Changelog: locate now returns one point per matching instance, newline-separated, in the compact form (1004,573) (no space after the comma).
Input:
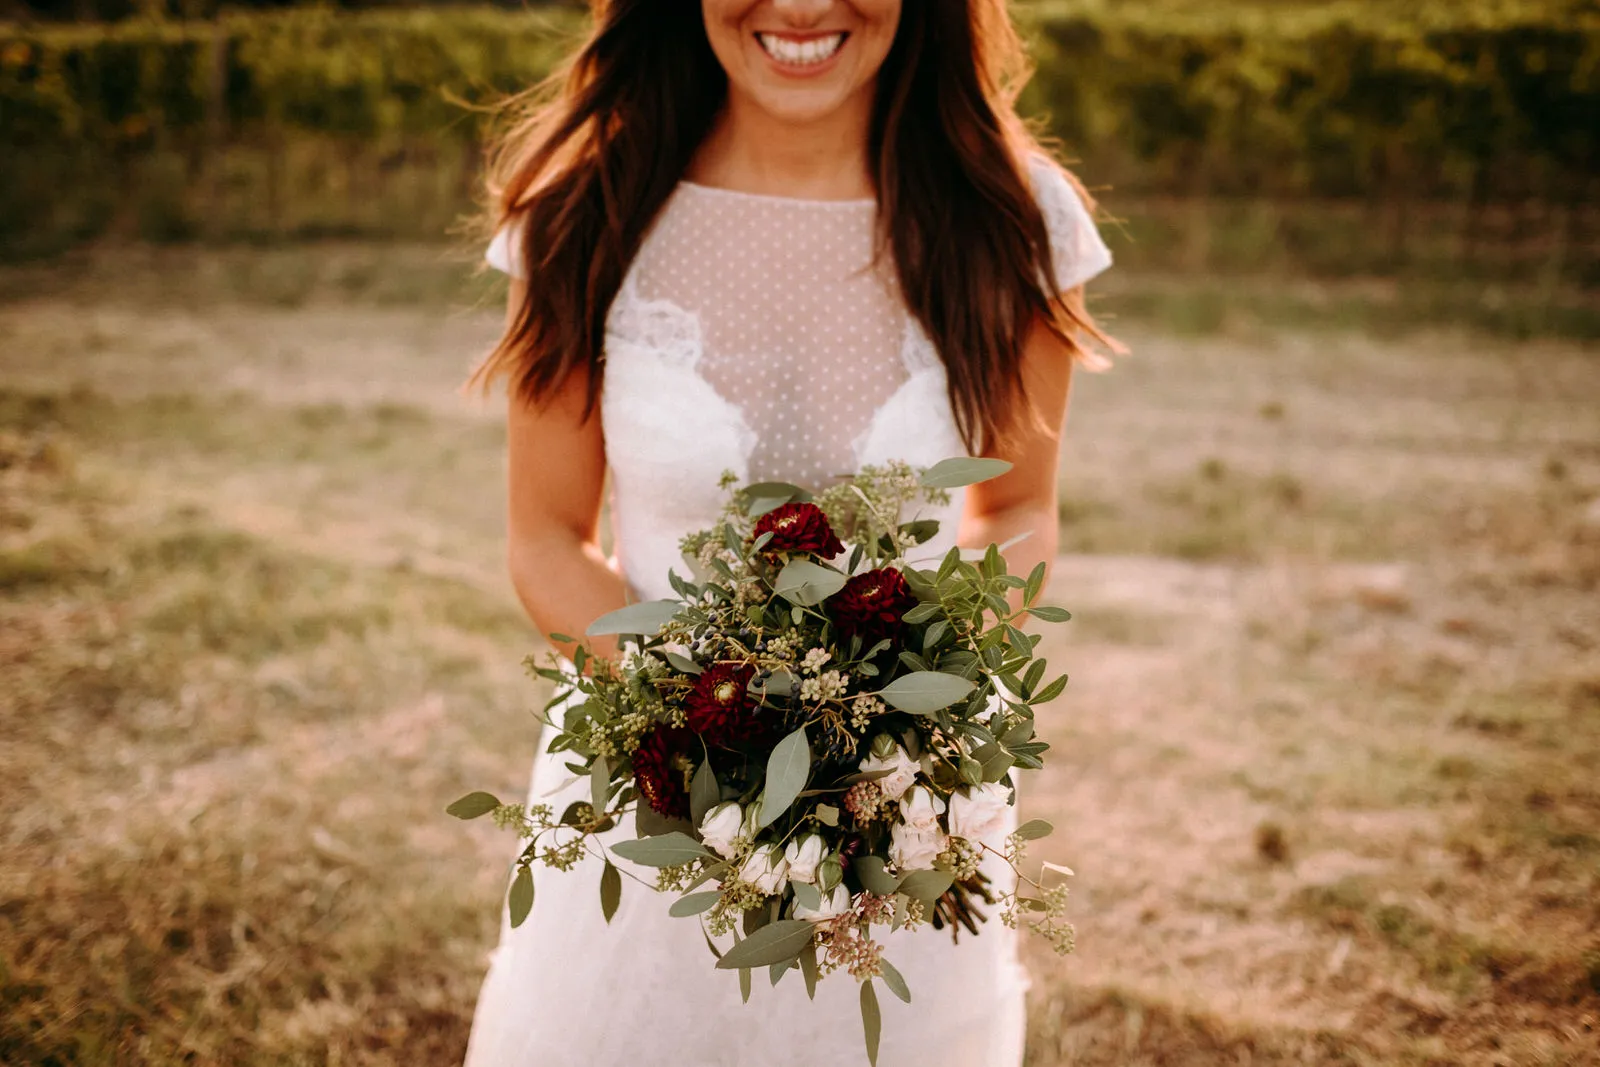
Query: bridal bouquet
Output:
(815,737)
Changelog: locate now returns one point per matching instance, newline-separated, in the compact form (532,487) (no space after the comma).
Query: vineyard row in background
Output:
(1436,132)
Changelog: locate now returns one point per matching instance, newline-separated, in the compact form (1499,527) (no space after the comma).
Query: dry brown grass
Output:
(1326,770)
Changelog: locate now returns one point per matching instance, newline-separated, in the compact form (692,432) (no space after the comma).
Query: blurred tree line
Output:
(113,10)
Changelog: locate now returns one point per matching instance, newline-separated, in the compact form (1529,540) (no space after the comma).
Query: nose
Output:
(802,13)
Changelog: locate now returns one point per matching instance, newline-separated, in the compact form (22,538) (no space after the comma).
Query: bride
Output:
(785,238)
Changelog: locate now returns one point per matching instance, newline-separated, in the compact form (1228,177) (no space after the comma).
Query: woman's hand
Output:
(556,465)
(1023,501)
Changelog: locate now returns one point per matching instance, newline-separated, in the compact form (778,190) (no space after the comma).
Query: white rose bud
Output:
(834,904)
(830,872)
(979,813)
(901,767)
(804,854)
(921,808)
(766,869)
(914,848)
(721,828)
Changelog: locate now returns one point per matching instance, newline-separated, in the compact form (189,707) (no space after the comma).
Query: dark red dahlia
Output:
(719,707)
(798,528)
(659,767)
(870,605)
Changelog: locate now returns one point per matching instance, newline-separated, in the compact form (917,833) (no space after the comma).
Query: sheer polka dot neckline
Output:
(697,188)
(800,330)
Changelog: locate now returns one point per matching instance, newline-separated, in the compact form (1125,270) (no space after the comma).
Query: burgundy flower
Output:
(658,768)
(798,528)
(870,605)
(719,707)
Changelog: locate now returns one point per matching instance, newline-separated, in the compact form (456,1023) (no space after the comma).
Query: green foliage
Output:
(1330,98)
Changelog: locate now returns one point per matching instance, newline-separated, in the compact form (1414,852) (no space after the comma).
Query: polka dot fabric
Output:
(802,332)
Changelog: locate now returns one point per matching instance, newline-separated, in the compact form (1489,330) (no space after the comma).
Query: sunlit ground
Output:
(1325,768)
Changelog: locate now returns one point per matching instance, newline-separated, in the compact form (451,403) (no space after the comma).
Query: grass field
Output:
(1326,769)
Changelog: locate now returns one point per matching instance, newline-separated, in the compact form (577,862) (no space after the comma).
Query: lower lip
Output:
(803,70)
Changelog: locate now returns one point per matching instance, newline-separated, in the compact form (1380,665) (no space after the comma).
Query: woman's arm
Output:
(1024,499)
(556,464)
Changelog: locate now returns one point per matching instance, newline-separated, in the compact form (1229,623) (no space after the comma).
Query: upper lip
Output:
(802,35)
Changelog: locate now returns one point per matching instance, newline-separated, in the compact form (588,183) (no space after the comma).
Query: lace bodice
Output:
(757,334)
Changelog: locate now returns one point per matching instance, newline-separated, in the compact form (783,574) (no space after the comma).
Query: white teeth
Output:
(800,53)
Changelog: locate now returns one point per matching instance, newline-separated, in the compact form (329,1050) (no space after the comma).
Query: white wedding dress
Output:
(752,334)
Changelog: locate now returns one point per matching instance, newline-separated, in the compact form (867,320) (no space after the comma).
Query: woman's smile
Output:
(801,54)
(801,61)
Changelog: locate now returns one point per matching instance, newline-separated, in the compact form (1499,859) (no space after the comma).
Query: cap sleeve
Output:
(1076,248)
(504,253)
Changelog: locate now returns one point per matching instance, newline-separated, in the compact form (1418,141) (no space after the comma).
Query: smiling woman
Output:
(790,239)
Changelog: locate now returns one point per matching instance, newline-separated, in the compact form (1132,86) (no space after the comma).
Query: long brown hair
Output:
(592,156)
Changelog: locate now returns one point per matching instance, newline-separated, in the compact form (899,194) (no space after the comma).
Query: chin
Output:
(801,70)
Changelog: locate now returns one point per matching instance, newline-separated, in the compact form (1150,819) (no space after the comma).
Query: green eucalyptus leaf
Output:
(926,886)
(648,822)
(781,684)
(827,814)
(645,619)
(971,771)
(778,970)
(895,981)
(785,490)
(473,805)
(1034,829)
(1031,680)
(962,470)
(599,783)
(759,506)
(744,983)
(787,769)
(995,760)
(704,792)
(666,850)
(694,904)
(914,661)
(805,584)
(808,969)
(922,613)
(806,895)
(1049,692)
(920,531)
(1035,584)
(1018,640)
(871,1021)
(610,890)
(1018,734)
(521,897)
(873,877)
(925,692)
(1045,613)
(683,663)
(777,942)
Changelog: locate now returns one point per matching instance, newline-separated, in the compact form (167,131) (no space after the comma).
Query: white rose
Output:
(803,856)
(834,904)
(902,772)
(914,848)
(766,869)
(720,828)
(979,814)
(921,808)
